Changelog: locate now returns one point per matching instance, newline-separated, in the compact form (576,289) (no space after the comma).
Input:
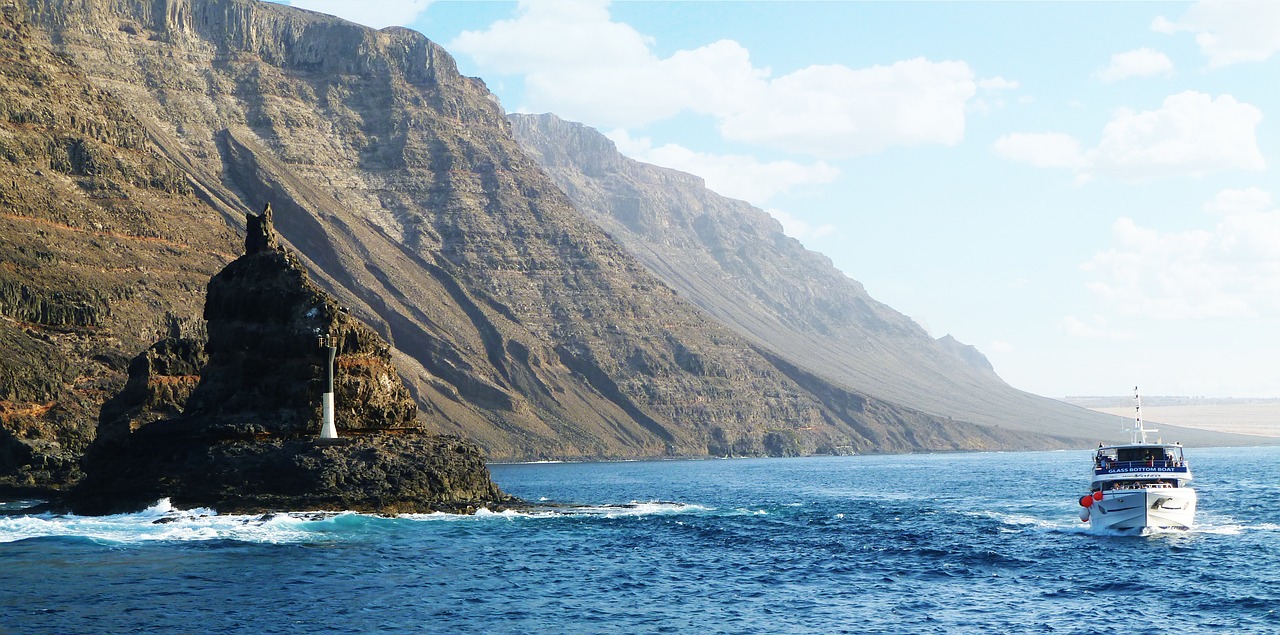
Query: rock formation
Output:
(244,437)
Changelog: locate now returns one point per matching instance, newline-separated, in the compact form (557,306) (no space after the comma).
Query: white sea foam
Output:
(1015,521)
(636,508)
(161,522)
(633,508)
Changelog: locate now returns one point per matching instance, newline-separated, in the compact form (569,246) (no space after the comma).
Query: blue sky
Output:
(1086,191)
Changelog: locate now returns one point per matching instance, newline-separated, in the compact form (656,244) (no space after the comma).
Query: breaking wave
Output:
(163,522)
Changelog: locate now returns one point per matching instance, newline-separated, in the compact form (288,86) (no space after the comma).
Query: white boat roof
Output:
(1140,445)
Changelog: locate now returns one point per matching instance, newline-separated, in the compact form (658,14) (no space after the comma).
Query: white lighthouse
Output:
(328,429)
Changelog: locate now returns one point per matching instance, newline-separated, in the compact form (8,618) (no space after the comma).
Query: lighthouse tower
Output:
(328,429)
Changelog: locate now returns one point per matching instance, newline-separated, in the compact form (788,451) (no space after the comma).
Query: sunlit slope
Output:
(733,261)
(516,321)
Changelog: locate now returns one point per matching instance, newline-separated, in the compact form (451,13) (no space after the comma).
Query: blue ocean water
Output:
(948,543)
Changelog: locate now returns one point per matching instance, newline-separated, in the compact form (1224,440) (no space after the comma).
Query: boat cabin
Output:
(1139,465)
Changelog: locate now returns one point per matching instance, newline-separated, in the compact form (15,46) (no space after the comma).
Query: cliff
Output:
(141,131)
(103,250)
(734,262)
(244,437)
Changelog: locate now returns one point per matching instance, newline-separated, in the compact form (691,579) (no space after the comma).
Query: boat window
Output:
(1132,454)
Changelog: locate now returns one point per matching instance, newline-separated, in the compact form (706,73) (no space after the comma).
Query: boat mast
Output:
(1138,434)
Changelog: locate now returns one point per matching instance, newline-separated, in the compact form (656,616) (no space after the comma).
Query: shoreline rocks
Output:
(238,433)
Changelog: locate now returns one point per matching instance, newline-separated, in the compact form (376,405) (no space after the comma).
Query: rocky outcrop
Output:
(264,318)
(161,380)
(244,439)
(390,475)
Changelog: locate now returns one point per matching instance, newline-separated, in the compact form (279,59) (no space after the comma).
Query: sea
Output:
(925,543)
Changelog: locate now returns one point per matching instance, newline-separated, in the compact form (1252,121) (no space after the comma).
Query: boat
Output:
(1139,485)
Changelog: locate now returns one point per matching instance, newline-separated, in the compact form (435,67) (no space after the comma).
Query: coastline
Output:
(1256,417)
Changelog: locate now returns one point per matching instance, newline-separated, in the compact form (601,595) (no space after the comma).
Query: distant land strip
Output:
(1236,415)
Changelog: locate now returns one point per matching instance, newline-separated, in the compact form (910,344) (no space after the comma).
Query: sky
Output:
(1086,191)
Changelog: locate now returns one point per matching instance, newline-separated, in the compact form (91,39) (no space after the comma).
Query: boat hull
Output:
(1151,508)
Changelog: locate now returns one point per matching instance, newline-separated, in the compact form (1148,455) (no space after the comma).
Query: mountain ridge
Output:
(724,254)
(515,321)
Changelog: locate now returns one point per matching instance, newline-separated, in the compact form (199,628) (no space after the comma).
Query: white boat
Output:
(1139,485)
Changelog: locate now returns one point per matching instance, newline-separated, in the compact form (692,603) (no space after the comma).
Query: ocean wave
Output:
(164,523)
(159,523)
(1014,522)
(546,509)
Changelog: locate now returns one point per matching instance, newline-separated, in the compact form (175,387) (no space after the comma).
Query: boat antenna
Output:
(1138,434)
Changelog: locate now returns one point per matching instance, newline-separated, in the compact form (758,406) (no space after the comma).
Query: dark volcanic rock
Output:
(160,382)
(383,474)
(264,319)
(244,438)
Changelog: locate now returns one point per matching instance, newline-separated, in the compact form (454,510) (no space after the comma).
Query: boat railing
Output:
(1151,465)
(1155,485)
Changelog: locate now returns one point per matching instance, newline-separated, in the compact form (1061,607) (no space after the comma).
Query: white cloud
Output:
(997,83)
(1042,150)
(1239,202)
(990,100)
(799,228)
(1000,346)
(1231,271)
(1096,327)
(836,111)
(1143,62)
(1230,31)
(1191,134)
(736,176)
(377,14)
(580,64)
(555,34)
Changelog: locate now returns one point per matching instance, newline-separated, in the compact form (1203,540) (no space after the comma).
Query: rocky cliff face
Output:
(244,437)
(733,261)
(514,320)
(103,250)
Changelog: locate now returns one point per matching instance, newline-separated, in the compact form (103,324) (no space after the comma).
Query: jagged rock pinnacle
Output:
(242,439)
(260,234)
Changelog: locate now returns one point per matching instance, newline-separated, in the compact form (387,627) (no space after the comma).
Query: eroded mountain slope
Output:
(516,321)
(733,261)
(103,249)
